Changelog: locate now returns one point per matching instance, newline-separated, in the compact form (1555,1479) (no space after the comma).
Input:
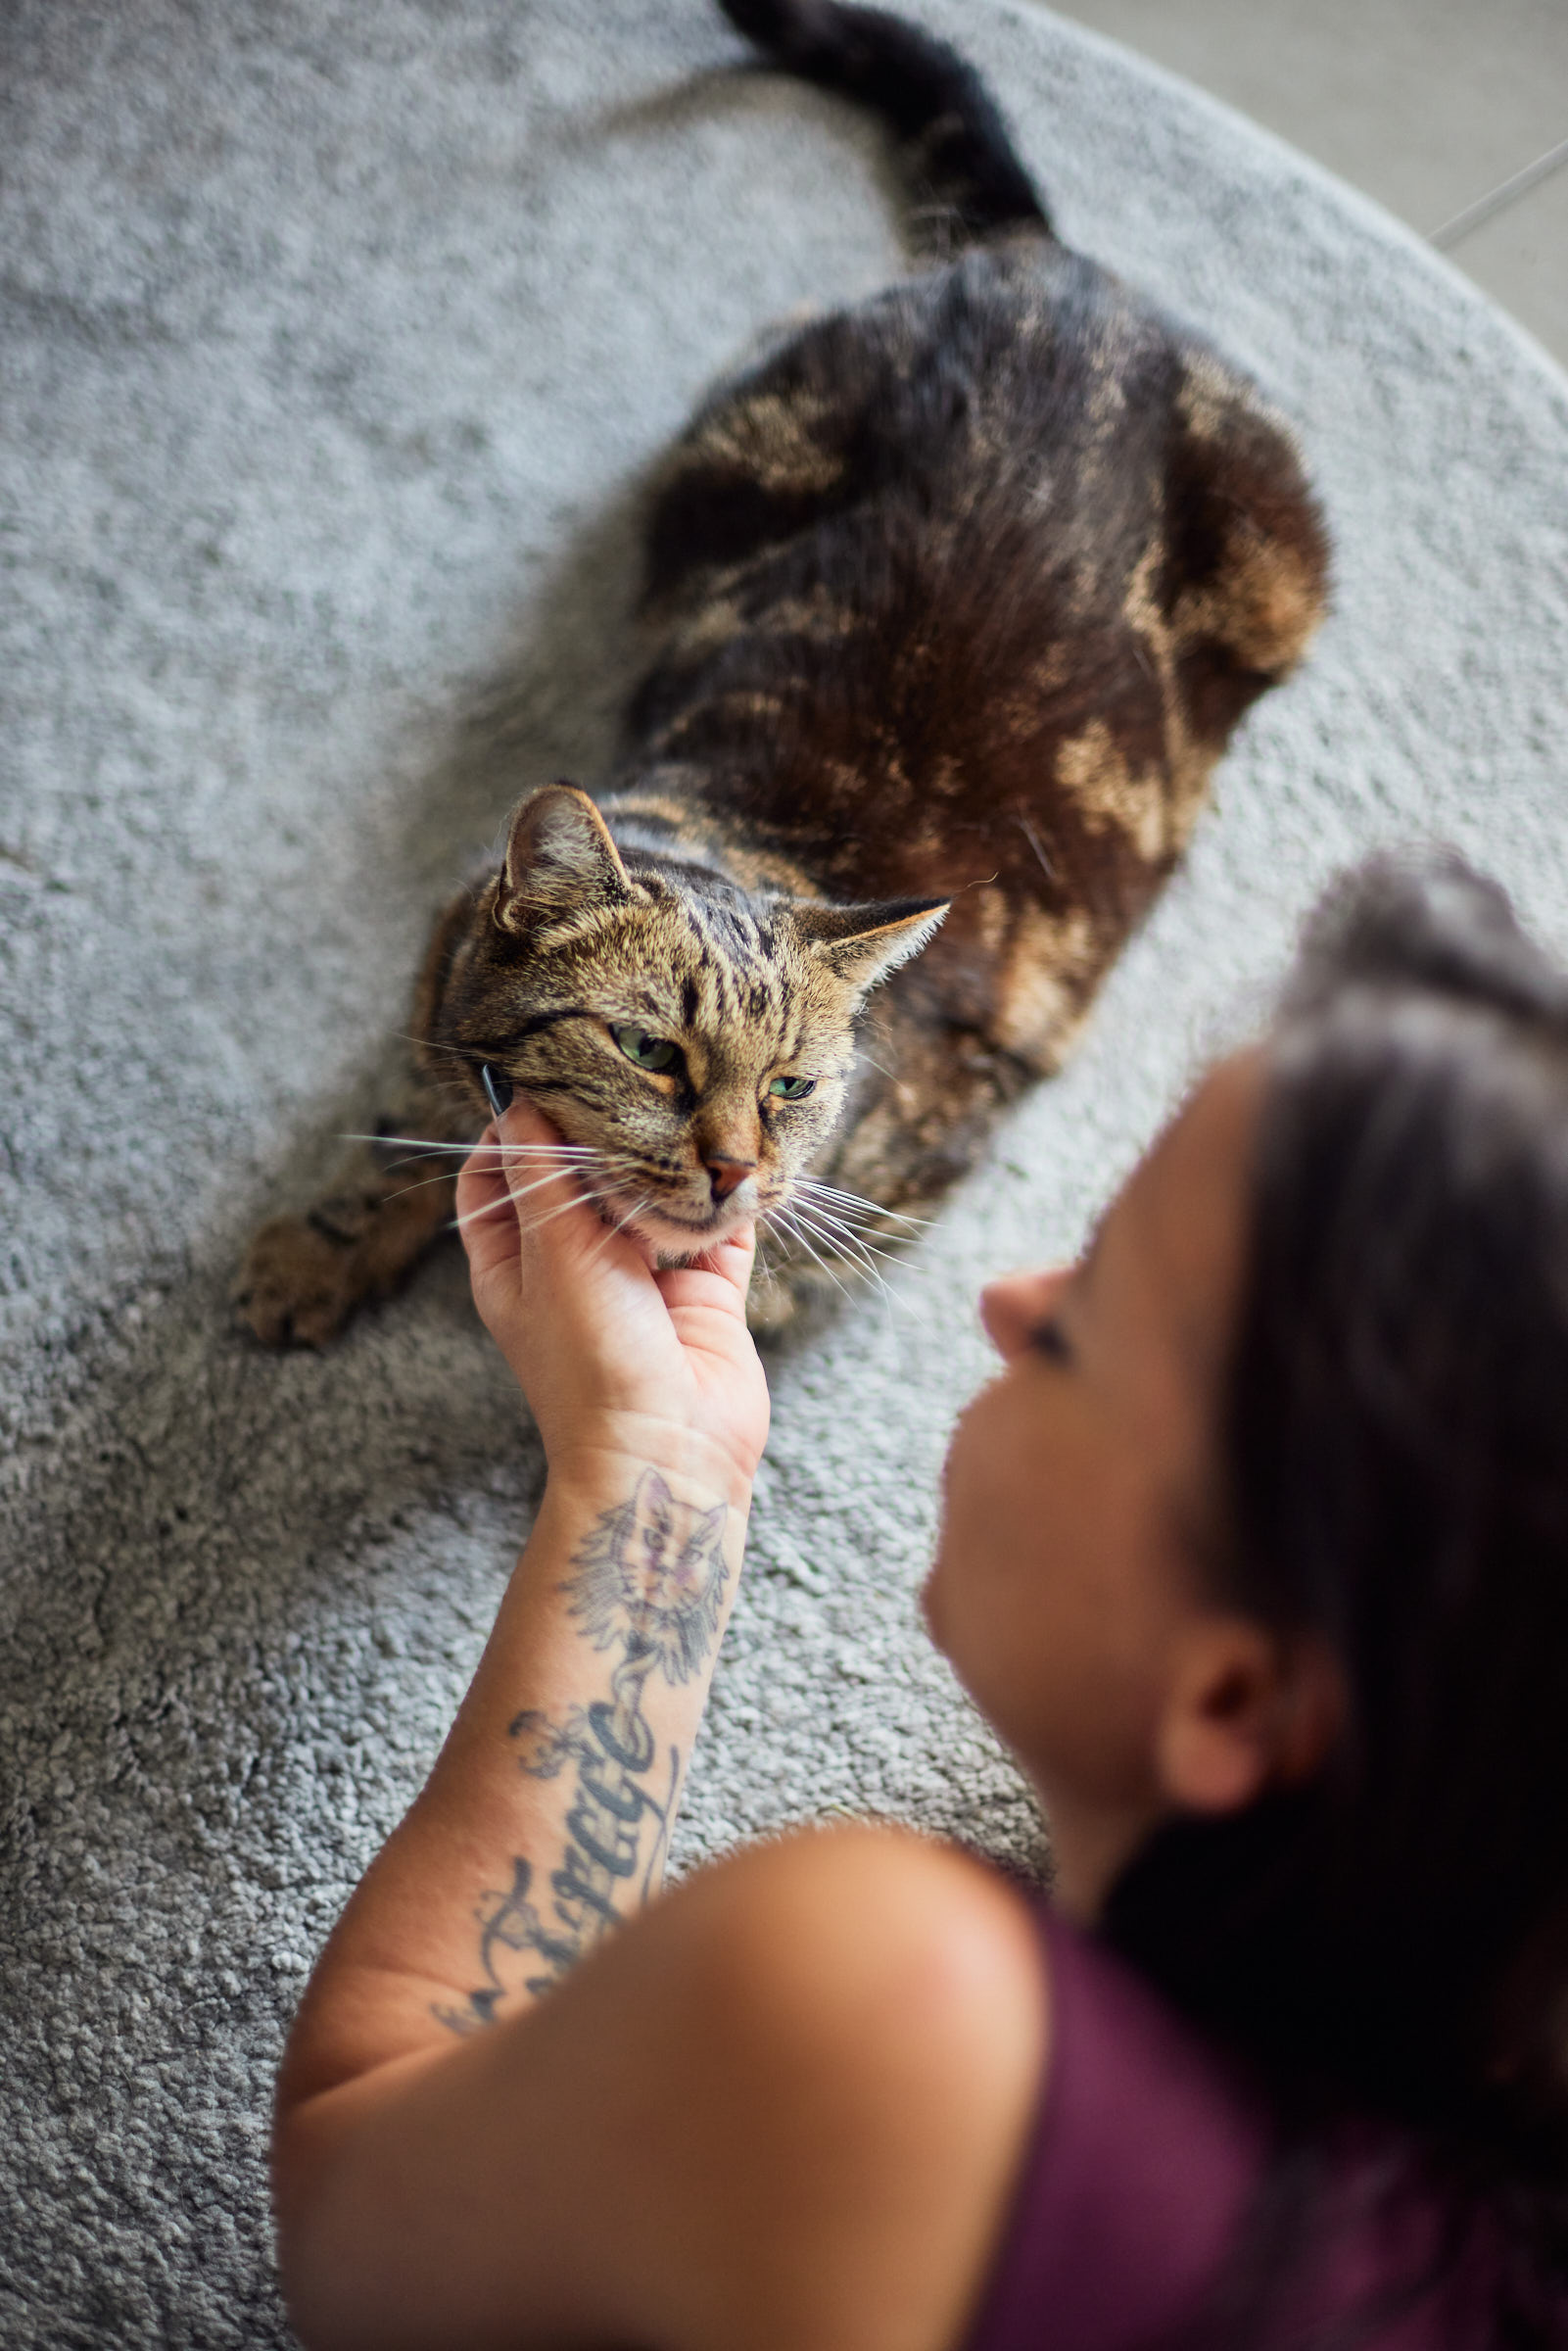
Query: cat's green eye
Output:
(792,1089)
(646,1051)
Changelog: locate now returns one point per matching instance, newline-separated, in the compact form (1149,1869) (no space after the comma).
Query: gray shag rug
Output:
(334,337)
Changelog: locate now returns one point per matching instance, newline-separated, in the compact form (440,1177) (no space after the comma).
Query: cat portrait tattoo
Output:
(950,604)
(646,1588)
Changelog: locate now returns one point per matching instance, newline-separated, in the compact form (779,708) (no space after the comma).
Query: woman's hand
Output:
(612,1355)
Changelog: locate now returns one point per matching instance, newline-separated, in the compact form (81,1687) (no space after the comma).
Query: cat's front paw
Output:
(301,1279)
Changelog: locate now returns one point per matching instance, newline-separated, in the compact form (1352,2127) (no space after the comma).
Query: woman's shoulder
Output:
(872,1929)
(884,2017)
(895,1955)
(869,1931)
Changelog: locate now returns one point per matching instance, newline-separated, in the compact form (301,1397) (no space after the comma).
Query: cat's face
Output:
(696,1040)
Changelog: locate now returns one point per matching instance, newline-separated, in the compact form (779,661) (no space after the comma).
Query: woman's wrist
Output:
(603,1462)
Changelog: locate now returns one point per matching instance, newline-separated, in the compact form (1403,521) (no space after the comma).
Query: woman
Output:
(1256,1555)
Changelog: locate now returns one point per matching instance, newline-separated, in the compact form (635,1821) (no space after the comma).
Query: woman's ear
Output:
(1245,1709)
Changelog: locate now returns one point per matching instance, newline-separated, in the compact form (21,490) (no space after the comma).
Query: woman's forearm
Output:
(546,1818)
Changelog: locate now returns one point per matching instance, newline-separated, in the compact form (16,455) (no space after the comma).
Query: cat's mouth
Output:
(687,1236)
(676,1236)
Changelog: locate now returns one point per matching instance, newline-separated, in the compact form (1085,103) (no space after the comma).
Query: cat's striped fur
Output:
(954,601)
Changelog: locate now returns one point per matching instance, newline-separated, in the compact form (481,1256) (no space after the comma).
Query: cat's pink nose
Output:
(727,1174)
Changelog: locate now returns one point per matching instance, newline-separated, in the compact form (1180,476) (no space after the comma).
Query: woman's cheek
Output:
(930,1605)
(961,1535)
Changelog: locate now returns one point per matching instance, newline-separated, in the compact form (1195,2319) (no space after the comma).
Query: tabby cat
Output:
(952,603)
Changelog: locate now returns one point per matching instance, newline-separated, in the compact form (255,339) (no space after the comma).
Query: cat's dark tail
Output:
(967,182)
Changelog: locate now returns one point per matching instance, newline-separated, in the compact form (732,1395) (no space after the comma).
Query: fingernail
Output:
(499,1088)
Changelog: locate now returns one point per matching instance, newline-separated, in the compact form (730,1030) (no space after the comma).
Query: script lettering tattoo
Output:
(648,1586)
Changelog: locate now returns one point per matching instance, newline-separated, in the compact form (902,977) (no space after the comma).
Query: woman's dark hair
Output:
(1392,1938)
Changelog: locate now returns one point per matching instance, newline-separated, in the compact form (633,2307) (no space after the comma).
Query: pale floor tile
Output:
(1423,104)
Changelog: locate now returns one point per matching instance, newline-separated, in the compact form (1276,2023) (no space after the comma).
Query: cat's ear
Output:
(862,945)
(560,856)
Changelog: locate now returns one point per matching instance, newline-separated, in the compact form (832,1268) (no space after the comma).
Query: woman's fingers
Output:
(721,1277)
(565,1222)
(735,1256)
(549,1275)
(546,1187)
(487,1217)
(516,1181)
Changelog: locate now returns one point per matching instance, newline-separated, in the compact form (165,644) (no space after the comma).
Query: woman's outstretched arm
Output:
(545,1822)
(637,2157)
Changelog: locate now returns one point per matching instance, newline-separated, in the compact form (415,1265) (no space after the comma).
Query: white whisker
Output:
(869,1208)
(845,1235)
(510,1199)
(805,1235)
(578,1199)
(450,1175)
(420,1183)
(862,1260)
(424,1143)
(477,1215)
(613,1232)
(863,1263)
(835,1192)
(881,1245)
(783,1217)
(494,1208)
(827,1210)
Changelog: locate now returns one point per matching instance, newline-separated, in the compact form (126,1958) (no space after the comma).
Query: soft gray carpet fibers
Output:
(333,337)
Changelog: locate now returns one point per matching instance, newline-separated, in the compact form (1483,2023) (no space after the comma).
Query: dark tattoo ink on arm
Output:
(647,1586)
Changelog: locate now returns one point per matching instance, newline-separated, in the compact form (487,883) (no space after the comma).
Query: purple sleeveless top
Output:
(1143,2159)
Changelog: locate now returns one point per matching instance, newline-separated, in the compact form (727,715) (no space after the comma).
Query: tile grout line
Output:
(1496,200)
